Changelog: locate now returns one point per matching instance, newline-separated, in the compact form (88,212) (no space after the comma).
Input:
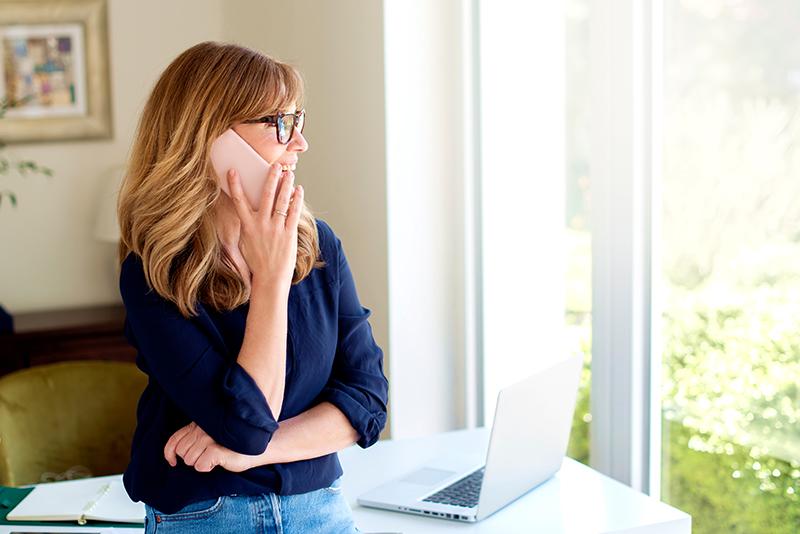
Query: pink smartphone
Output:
(229,150)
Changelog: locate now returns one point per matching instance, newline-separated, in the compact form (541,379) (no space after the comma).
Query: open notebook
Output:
(98,499)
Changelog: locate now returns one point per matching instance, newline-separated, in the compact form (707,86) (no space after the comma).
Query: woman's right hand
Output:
(267,239)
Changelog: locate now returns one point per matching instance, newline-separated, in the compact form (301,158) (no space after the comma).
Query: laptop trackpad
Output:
(427,476)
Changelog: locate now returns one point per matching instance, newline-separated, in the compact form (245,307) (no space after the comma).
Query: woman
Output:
(261,361)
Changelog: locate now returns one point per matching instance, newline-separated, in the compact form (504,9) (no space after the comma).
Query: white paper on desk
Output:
(71,499)
(116,506)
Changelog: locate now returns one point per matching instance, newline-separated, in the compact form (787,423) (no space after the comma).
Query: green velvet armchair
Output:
(56,417)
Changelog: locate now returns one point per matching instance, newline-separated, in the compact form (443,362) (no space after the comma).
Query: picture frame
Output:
(54,70)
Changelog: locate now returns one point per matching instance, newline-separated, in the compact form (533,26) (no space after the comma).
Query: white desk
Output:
(577,500)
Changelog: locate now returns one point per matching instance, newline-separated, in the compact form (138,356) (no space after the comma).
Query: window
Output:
(730,264)
(578,237)
(682,190)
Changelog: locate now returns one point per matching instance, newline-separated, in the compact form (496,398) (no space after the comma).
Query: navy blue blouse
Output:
(193,376)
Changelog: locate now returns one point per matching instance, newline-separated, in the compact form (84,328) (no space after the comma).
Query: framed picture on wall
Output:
(54,70)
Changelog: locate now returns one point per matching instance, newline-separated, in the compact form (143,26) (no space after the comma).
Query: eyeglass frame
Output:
(274,119)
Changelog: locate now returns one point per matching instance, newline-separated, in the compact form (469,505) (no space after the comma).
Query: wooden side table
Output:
(85,333)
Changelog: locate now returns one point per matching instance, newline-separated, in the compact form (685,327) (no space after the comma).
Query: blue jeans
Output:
(324,511)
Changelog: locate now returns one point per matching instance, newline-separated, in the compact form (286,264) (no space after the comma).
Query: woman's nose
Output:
(298,142)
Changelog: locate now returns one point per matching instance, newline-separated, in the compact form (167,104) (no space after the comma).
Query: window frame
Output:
(625,51)
(625,120)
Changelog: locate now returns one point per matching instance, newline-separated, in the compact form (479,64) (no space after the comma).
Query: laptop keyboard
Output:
(463,492)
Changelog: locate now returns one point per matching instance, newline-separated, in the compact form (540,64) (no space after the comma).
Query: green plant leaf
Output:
(11,197)
(24,166)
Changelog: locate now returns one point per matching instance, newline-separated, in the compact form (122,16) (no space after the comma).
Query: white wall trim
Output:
(522,63)
(425,185)
(473,415)
(622,214)
(656,56)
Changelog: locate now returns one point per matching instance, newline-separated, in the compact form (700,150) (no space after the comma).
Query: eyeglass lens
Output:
(285,125)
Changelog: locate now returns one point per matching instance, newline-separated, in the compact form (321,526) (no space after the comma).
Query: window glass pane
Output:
(731,264)
(578,313)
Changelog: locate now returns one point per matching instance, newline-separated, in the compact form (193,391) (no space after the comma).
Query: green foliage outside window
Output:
(731,397)
(730,394)
(730,253)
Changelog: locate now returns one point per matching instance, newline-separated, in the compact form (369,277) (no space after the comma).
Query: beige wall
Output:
(338,47)
(427,174)
(48,256)
(376,69)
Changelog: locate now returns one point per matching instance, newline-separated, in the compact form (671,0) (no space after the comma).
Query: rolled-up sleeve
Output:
(217,394)
(357,385)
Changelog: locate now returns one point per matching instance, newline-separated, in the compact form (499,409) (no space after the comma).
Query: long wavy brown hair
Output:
(166,203)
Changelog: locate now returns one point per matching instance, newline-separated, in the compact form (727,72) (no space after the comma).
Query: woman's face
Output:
(263,137)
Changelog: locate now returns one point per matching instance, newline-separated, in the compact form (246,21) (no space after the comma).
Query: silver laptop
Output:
(529,438)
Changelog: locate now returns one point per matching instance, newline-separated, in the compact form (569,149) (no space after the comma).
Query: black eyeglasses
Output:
(286,124)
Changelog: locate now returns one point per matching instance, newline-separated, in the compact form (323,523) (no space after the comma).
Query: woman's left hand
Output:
(199,450)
